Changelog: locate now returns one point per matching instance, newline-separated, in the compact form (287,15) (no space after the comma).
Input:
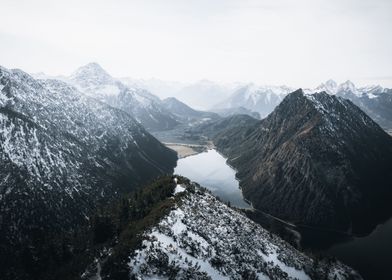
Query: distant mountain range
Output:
(255,100)
(317,159)
(225,99)
(136,97)
(62,153)
(201,95)
(262,100)
(374,100)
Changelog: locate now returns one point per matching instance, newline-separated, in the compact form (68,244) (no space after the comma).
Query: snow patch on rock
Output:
(179,189)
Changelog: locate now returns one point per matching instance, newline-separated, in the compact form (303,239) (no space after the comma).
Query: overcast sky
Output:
(298,43)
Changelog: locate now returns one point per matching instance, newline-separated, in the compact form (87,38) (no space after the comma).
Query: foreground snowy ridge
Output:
(205,239)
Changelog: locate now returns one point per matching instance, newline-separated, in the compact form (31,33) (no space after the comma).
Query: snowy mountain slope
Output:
(61,152)
(145,107)
(202,238)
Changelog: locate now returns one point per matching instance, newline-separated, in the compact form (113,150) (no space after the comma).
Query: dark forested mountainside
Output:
(61,154)
(316,160)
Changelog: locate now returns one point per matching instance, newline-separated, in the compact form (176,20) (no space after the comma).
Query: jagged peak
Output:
(93,70)
(297,93)
(319,100)
(171,99)
(92,65)
(347,84)
(331,82)
(330,86)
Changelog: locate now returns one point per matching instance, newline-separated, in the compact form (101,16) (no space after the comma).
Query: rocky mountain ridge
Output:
(316,159)
(202,238)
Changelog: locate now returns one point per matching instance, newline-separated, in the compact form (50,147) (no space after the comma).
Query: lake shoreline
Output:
(184,150)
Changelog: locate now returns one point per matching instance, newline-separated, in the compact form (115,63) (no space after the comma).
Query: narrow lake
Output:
(210,170)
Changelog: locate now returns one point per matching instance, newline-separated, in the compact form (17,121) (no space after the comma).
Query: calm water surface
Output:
(370,255)
(211,171)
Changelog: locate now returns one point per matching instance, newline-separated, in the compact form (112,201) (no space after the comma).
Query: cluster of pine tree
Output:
(117,225)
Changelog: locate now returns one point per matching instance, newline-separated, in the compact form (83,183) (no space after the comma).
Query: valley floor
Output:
(184,150)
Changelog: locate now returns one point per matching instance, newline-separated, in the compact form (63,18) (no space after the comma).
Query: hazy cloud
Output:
(299,43)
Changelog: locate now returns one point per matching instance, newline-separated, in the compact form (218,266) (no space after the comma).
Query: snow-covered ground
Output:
(205,239)
(179,189)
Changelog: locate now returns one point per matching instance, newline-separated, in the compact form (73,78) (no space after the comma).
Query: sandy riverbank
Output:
(186,150)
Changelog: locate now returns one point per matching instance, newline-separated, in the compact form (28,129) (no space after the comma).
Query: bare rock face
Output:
(317,159)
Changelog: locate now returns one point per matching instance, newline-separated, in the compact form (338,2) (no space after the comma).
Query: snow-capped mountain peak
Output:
(329,86)
(331,83)
(93,80)
(93,71)
(372,91)
(348,86)
(145,107)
